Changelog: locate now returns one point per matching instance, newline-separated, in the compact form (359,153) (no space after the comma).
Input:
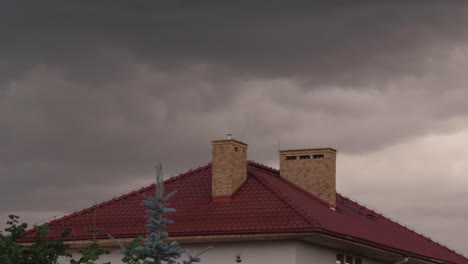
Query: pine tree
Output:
(155,249)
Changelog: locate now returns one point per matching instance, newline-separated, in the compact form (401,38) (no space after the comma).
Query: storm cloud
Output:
(93,94)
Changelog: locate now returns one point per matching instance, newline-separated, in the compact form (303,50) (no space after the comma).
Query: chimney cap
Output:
(308,149)
(232,140)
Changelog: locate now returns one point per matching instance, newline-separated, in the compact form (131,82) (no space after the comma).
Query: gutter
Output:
(194,239)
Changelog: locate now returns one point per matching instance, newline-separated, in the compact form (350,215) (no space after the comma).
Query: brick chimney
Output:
(314,170)
(229,167)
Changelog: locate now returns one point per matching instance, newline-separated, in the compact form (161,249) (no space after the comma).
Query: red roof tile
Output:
(264,204)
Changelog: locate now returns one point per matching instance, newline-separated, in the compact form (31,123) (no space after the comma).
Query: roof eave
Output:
(366,243)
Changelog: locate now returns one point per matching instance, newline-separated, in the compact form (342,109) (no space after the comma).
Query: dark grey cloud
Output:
(92,94)
(333,43)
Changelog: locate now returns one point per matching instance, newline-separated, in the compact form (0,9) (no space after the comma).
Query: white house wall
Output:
(307,253)
(258,252)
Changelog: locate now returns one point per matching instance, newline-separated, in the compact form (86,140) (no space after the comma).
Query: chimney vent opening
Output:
(291,157)
(318,156)
(303,157)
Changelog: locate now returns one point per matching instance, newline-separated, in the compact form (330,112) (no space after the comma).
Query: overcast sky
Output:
(94,93)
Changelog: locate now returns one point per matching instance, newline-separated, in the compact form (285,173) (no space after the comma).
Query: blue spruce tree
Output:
(156,250)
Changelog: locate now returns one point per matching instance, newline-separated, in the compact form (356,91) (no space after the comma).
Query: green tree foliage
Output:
(155,250)
(42,251)
(90,254)
(10,251)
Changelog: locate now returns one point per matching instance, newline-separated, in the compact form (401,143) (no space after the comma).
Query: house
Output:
(254,214)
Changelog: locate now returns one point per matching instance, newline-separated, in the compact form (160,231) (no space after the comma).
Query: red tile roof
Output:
(264,204)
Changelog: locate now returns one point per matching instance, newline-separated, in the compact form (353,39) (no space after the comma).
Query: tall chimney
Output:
(229,166)
(314,170)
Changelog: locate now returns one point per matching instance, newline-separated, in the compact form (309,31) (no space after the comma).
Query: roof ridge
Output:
(305,192)
(404,227)
(283,197)
(262,166)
